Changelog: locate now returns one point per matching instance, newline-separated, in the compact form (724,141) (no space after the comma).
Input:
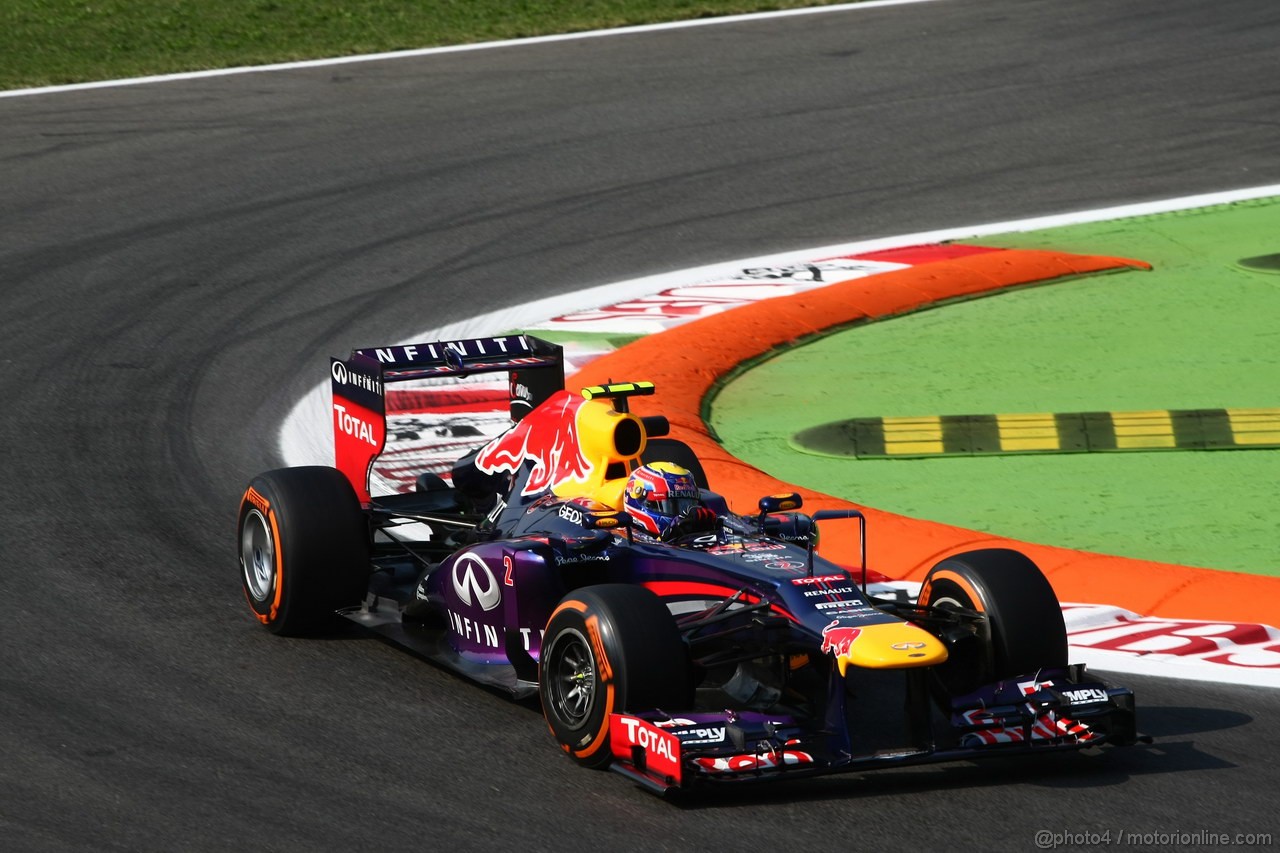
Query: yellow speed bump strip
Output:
(912,436)
(1073,432)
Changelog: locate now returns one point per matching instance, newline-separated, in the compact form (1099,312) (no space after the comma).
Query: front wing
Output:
(1054,711)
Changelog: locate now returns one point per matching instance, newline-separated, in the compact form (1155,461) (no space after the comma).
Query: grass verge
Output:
(51,42)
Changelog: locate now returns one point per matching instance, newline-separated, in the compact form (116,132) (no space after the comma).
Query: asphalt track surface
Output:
(178,259)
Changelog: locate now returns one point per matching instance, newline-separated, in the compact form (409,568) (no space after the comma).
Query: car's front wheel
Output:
(1012,607)
(608,649)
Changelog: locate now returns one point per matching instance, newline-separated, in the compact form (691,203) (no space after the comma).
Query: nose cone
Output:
(893,645)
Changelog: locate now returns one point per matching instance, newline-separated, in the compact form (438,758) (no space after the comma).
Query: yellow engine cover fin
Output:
(618,390)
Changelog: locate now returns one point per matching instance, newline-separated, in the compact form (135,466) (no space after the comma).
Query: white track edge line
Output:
(458,48)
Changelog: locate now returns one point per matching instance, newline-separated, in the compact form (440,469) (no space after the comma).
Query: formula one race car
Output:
(582,556)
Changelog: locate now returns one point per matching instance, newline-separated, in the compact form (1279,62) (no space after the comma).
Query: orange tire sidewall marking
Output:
(601,738)
(604,679)
(926,593)
(275,534)
(571,604)
(254,498)
(605,672)
(603,668)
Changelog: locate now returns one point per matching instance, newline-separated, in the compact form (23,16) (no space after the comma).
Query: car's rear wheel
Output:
(608,649)
(1015,613)
(304,548)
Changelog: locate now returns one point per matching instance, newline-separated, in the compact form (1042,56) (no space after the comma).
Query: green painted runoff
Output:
(1197,332)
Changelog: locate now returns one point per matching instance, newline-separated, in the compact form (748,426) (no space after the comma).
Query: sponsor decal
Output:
(667,305)
(1085,695)
(745,547)
(838,590)
(697,737)
(816,272)
(648,738)
(838,639)
(474,584)
(354,378)
(675,305)
(603,668)
(902,647)
(526,634)
(570,514)
(548,437)
(846,608)
(785,566)
(351,425)
(820,579)
(562,560)
(661,748)
(1232,644)
(451,351)
(645,484)
(257,500)
(475,631)
(521,394)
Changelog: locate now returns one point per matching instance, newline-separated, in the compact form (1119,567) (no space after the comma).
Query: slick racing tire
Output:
(1020,622)
(608,649)
(304,548)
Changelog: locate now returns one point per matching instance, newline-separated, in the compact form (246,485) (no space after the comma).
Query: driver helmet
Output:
(658,494)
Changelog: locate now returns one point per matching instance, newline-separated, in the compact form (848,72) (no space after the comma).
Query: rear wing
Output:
(535,371)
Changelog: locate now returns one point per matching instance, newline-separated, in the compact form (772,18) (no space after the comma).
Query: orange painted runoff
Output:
(685,362)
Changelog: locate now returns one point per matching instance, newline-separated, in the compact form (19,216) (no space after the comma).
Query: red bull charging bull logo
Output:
(548,436)
(837,639)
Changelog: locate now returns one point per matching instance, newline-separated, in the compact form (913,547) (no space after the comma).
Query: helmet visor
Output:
(672,505)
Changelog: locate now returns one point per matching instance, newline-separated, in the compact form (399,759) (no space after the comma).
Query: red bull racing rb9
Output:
(582,556)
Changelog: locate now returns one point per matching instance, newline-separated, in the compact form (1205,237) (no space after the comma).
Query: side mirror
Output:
(608,522)
(825,514)
(780,503)
(605,521)
(782,527)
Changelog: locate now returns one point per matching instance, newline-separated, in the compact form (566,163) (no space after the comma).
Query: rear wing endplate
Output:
(535,371)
